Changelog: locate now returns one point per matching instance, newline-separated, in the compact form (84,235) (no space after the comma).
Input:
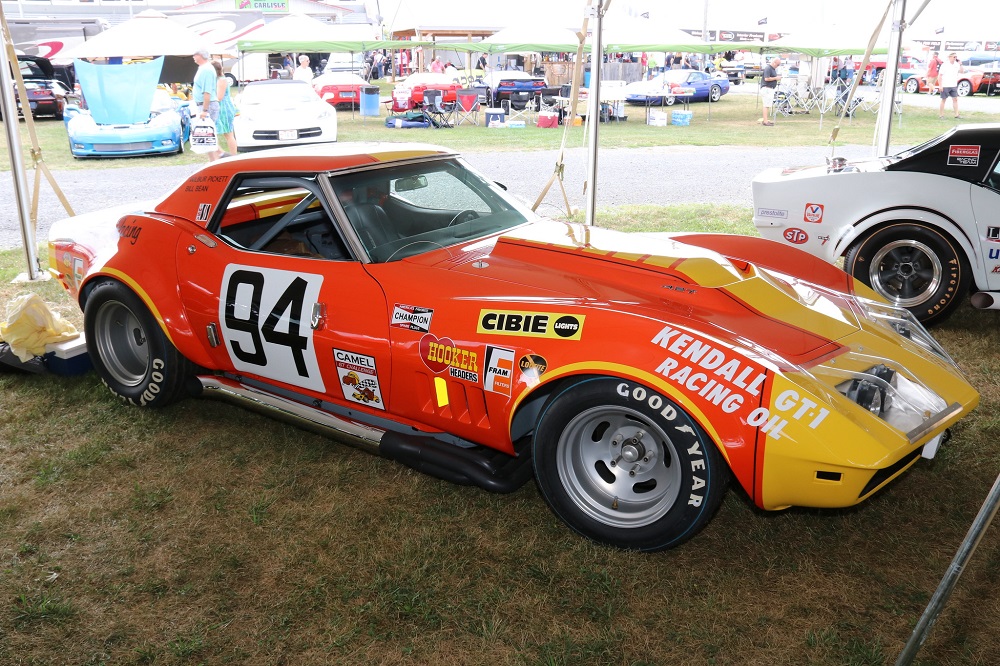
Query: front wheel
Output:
(130,351)
(914,266)
(625,466)
(716,93)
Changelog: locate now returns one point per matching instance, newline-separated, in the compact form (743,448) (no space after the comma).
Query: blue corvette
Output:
(661,88)
(163,131)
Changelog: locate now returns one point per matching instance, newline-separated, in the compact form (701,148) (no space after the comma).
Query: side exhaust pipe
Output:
(986,300)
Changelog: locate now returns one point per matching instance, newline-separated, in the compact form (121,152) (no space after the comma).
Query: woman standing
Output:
(227,111)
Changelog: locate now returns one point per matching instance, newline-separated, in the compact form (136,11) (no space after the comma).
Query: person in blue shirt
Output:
(205,93)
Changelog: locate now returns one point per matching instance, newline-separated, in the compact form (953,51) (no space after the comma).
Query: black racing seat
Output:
(372,224)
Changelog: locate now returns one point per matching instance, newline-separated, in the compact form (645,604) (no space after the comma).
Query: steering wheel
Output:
(467,214)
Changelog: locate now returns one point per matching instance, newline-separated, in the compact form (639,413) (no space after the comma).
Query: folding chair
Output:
(441,113)
(519,105)
(467,106)
(401,101)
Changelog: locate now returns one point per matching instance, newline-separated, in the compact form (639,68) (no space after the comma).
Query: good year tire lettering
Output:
(669,413)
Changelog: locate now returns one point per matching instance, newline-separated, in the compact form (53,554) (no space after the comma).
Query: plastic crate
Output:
(682,118)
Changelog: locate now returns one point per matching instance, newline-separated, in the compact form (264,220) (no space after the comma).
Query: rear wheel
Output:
(913,266)
(964,88)
(624,466)
(669,101)
(912,85)
(130,351)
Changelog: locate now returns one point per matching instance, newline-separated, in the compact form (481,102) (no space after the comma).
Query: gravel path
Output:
(661,175)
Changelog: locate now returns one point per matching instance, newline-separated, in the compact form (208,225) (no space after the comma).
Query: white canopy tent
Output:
(149,34)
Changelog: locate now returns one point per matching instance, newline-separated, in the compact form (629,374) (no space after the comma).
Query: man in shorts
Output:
(933,67)
(768,86)
(948,79)
(204,93)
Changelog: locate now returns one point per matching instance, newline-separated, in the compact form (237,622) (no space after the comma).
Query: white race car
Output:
(920,227)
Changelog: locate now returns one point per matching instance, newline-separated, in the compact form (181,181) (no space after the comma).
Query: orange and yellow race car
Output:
(391,296)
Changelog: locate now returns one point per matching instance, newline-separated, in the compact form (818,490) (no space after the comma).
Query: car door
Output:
(986,208)
(277,296)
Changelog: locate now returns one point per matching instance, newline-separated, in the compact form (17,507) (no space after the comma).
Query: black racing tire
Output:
(625,466)
(914,266)
(715,93)
(129,350)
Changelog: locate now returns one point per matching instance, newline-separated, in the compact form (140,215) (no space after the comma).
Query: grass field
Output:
(204,534)
(733,121)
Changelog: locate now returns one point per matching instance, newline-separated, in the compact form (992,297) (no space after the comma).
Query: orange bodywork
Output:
(467,340)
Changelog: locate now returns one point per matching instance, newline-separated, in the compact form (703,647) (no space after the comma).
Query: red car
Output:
(990,84)
(339,88)
(968,83)
(46,95)
(421,81)
(389,295)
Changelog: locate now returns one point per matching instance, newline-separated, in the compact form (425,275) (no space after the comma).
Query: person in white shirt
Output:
(948,80)
(303,72)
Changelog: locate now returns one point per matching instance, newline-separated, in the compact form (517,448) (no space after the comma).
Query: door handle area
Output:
(318,319)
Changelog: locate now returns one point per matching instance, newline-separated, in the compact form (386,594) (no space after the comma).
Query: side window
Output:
(993,178)
(280,215)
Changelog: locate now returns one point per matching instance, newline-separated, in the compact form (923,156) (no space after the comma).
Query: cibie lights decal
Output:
(556,325)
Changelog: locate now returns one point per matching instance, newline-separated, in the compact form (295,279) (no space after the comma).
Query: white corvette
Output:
(922,227)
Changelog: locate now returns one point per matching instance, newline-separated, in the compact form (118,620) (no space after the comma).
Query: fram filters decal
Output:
(411,317)
(531,324)
(358,378)
(498,369)
(442,354)
(813,213)
(963,156)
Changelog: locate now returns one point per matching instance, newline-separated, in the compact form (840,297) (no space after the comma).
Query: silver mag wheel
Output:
(914,266)
(624,465)
(129,350)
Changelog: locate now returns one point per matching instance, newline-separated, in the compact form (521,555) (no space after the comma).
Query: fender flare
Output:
(879,219)
(180,334)
(524,414)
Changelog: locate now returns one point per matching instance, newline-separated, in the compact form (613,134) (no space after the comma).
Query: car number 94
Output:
(265,314)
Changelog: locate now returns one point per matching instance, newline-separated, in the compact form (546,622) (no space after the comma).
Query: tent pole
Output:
(594,112)
(951,576)
(12,127)
(557,174)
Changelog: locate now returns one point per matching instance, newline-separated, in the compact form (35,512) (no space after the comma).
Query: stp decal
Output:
(795,236)
(442,354)
(813,213)
(358,378)
(531,324)
(264,314)
(499,370)
(963,156)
